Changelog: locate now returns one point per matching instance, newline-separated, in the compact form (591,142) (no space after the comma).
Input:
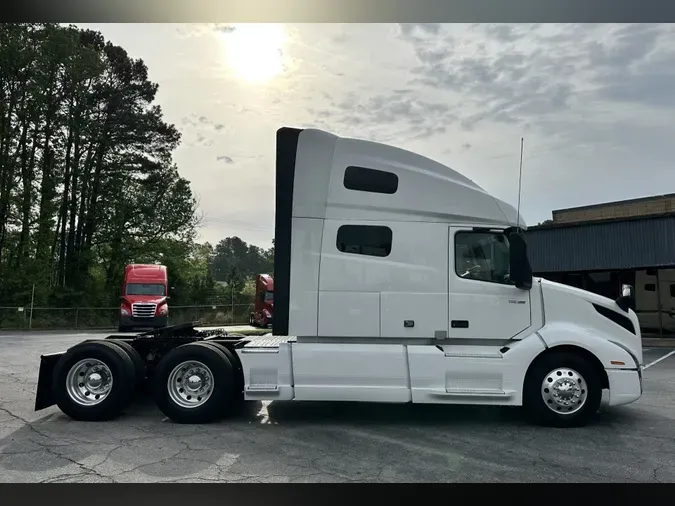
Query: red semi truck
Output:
(263,309)
(144,297)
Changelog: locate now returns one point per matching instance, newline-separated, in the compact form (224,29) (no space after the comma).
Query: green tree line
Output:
(87,178)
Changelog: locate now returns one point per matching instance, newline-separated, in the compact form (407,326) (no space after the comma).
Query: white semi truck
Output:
(397,280)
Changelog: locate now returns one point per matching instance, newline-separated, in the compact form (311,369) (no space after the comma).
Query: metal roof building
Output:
(625,235)
(599,248)
(603,245)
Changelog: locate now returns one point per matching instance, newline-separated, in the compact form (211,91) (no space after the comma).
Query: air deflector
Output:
(287,146)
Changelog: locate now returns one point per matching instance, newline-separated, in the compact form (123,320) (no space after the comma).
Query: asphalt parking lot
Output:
(326,442)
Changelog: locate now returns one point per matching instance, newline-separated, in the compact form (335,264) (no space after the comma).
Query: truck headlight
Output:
(164,311)
(124,312)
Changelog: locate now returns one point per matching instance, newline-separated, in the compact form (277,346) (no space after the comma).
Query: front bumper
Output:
(625,386)
(154,322)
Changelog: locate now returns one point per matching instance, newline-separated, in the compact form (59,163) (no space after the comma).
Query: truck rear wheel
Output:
(237,371)
(194,384)
(562,390)
(94,381)
(139,364)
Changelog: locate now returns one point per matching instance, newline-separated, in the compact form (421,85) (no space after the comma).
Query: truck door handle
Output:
(459,324)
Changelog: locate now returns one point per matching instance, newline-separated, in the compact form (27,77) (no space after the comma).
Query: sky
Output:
(595,105)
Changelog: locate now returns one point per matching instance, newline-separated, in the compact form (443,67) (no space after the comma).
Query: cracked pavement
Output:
(327,442)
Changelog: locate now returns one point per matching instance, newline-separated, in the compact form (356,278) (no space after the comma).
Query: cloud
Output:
(202,130)
(593,102)
(224,27)
(533,72)
(503,32)
(411,29)
(202,122)
(399,113)
(637,67)
(225,159)
(194,30)
(203,140)
(627,44)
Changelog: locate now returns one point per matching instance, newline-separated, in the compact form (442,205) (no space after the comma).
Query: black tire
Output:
(237,371)
(139,363)
(251,320)
(220,401)
(123,385)
(533,395)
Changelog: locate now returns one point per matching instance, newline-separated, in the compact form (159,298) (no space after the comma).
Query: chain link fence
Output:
(95,318)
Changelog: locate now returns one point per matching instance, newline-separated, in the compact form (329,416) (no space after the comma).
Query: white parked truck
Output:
(397,280)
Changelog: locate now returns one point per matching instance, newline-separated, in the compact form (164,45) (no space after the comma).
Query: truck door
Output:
(483,304)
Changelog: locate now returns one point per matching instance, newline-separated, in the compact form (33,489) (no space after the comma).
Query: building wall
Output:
(616,210)
(597,246)
(600,248)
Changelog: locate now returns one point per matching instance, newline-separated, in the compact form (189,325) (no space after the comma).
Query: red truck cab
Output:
(144,297)
(263,308)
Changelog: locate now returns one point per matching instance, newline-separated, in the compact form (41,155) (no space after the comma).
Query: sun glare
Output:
(254,51)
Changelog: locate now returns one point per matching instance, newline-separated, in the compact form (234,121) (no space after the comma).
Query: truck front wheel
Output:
(94,381)
(562,390)
(194,384)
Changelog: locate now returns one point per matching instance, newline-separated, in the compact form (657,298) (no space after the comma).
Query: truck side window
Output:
(368,240)
(370,180)
(482,256)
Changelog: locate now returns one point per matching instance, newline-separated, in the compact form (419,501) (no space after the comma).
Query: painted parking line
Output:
(659,359)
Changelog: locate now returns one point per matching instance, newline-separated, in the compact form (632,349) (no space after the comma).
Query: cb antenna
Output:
(520,182)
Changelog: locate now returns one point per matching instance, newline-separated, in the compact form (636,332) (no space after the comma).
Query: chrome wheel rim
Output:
(89,382)
(564,391)
(190,384)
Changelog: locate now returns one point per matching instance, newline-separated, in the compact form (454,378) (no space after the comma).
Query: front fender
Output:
(610,354)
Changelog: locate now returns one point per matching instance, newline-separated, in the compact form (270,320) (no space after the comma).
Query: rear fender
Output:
(44,397)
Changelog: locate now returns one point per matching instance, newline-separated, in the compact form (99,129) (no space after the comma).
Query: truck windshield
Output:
(269,296)
(146,289)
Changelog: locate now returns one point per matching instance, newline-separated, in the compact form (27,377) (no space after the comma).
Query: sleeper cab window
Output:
(369,240)
(482,256)
(370,180)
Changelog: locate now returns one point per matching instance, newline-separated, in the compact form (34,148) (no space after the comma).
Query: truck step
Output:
(267,341)
(463,351)
(252,389)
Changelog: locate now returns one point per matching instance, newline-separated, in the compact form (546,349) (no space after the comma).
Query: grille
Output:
(143,310)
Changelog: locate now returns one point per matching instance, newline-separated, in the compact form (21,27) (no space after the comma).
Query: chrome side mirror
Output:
(626,291)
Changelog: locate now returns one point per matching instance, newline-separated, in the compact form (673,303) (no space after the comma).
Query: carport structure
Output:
(600,255)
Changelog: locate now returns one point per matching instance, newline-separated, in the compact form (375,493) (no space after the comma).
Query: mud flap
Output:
(43,396)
